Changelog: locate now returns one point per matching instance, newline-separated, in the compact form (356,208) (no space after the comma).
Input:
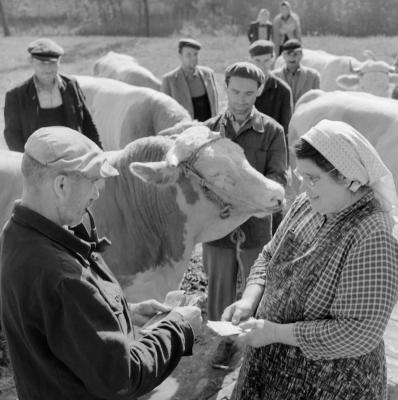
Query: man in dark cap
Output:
(275,99)
(192,85)
(68,325)
(45,99)
(300,79)
(263,142)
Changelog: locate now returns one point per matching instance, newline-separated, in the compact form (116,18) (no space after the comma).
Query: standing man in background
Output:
(300,79)
(45,99)
(263,142)
(192,85)
(275,100)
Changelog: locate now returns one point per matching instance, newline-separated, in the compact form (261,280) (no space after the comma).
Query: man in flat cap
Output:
(46,99)
(263,142)
(300,79)
(66,320)
(275,99)
(192,85)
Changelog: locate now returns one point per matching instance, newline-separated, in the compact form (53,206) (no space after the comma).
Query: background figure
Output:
(72,336)
(286,25)
(299,78)
(262,140)
(324,287)
(192,85)
(45,99)
(261,28)
(275,100)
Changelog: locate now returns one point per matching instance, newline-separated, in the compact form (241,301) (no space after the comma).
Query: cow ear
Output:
(157,173)
(348,82)
(393,78)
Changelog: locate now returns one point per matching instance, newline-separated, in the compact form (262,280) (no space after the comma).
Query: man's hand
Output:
(192,314)
(239,311)
(142,312)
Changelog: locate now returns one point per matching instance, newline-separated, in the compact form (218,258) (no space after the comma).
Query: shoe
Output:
(225,350)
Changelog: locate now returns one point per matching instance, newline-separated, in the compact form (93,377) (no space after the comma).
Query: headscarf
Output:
(355,157)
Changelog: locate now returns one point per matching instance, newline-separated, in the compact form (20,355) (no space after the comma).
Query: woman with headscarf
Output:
(323,289)
(261,28)
(286,26)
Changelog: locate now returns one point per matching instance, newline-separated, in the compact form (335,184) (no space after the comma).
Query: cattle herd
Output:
(154,213)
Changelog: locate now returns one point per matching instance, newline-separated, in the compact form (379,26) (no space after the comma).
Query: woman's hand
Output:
(239,311)
(142,312)
(258,332)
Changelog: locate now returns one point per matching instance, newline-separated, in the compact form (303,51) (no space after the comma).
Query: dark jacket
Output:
(21,112)
(276,101)
(67,322)
(252,32)
(263,142)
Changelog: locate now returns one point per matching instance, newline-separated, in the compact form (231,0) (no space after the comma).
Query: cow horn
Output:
(369,55)
(352,69)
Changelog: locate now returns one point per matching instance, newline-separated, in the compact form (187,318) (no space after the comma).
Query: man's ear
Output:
(59,185)
(157,172)
(347,82)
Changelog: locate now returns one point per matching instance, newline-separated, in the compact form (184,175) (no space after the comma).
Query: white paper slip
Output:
(224,328)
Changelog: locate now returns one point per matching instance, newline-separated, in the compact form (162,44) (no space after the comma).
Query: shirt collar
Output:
(253,121)
(29,218)
(39,86)
(193,74)
(296,73)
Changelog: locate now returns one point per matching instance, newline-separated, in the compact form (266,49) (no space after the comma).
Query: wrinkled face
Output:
(189,58)
(264,62)
(292,58)
(78,193)
(327,196)
(45,70)
(241,94)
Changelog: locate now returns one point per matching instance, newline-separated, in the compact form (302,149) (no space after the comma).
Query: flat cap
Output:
(245,69)
(186,42)
(45,49)
(67,150)
(261,47)
(292,44)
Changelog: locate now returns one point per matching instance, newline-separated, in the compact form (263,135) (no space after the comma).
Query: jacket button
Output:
(118,298)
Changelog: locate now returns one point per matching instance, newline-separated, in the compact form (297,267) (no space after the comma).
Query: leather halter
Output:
(188,168)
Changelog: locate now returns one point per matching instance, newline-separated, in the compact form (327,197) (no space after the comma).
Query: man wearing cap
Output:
(45,99)
(192,85)
(275,99)
(300,79)
(263,142)
(67,323)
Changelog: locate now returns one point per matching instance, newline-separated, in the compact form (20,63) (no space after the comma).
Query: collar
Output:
(253,121)
(287,72)
(73,242)
(188,75)
(271,82)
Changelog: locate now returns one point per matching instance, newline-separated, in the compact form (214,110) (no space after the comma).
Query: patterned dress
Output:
(337,278)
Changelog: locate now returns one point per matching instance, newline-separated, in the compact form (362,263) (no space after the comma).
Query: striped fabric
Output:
(348,310)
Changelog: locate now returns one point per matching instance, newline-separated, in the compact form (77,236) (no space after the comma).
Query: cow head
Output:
(217,187)
(372,76)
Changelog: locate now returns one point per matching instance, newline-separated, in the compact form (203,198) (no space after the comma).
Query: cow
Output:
(172,193)
(123,113)
(125,68)
(375,117)
(337,72)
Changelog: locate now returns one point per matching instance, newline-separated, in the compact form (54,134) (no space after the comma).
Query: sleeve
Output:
(165,87)
(85,335)
(276,161)
(89,129)
(12,123)
(298,27)
(213,79)
(364,300)
(276,34)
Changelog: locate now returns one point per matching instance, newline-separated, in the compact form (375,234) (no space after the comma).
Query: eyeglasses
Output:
(309,179)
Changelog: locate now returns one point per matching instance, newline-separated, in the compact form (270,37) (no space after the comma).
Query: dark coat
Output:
(262,140)
(21,112)
(67,322)
(276,101)
(252,33)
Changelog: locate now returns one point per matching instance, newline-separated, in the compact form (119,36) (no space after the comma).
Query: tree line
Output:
(164,17)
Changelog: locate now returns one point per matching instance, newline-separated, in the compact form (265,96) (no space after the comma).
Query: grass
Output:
(160,54)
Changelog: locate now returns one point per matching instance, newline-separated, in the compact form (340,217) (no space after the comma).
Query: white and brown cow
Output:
(125,68)
(172,193)
(123,113)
